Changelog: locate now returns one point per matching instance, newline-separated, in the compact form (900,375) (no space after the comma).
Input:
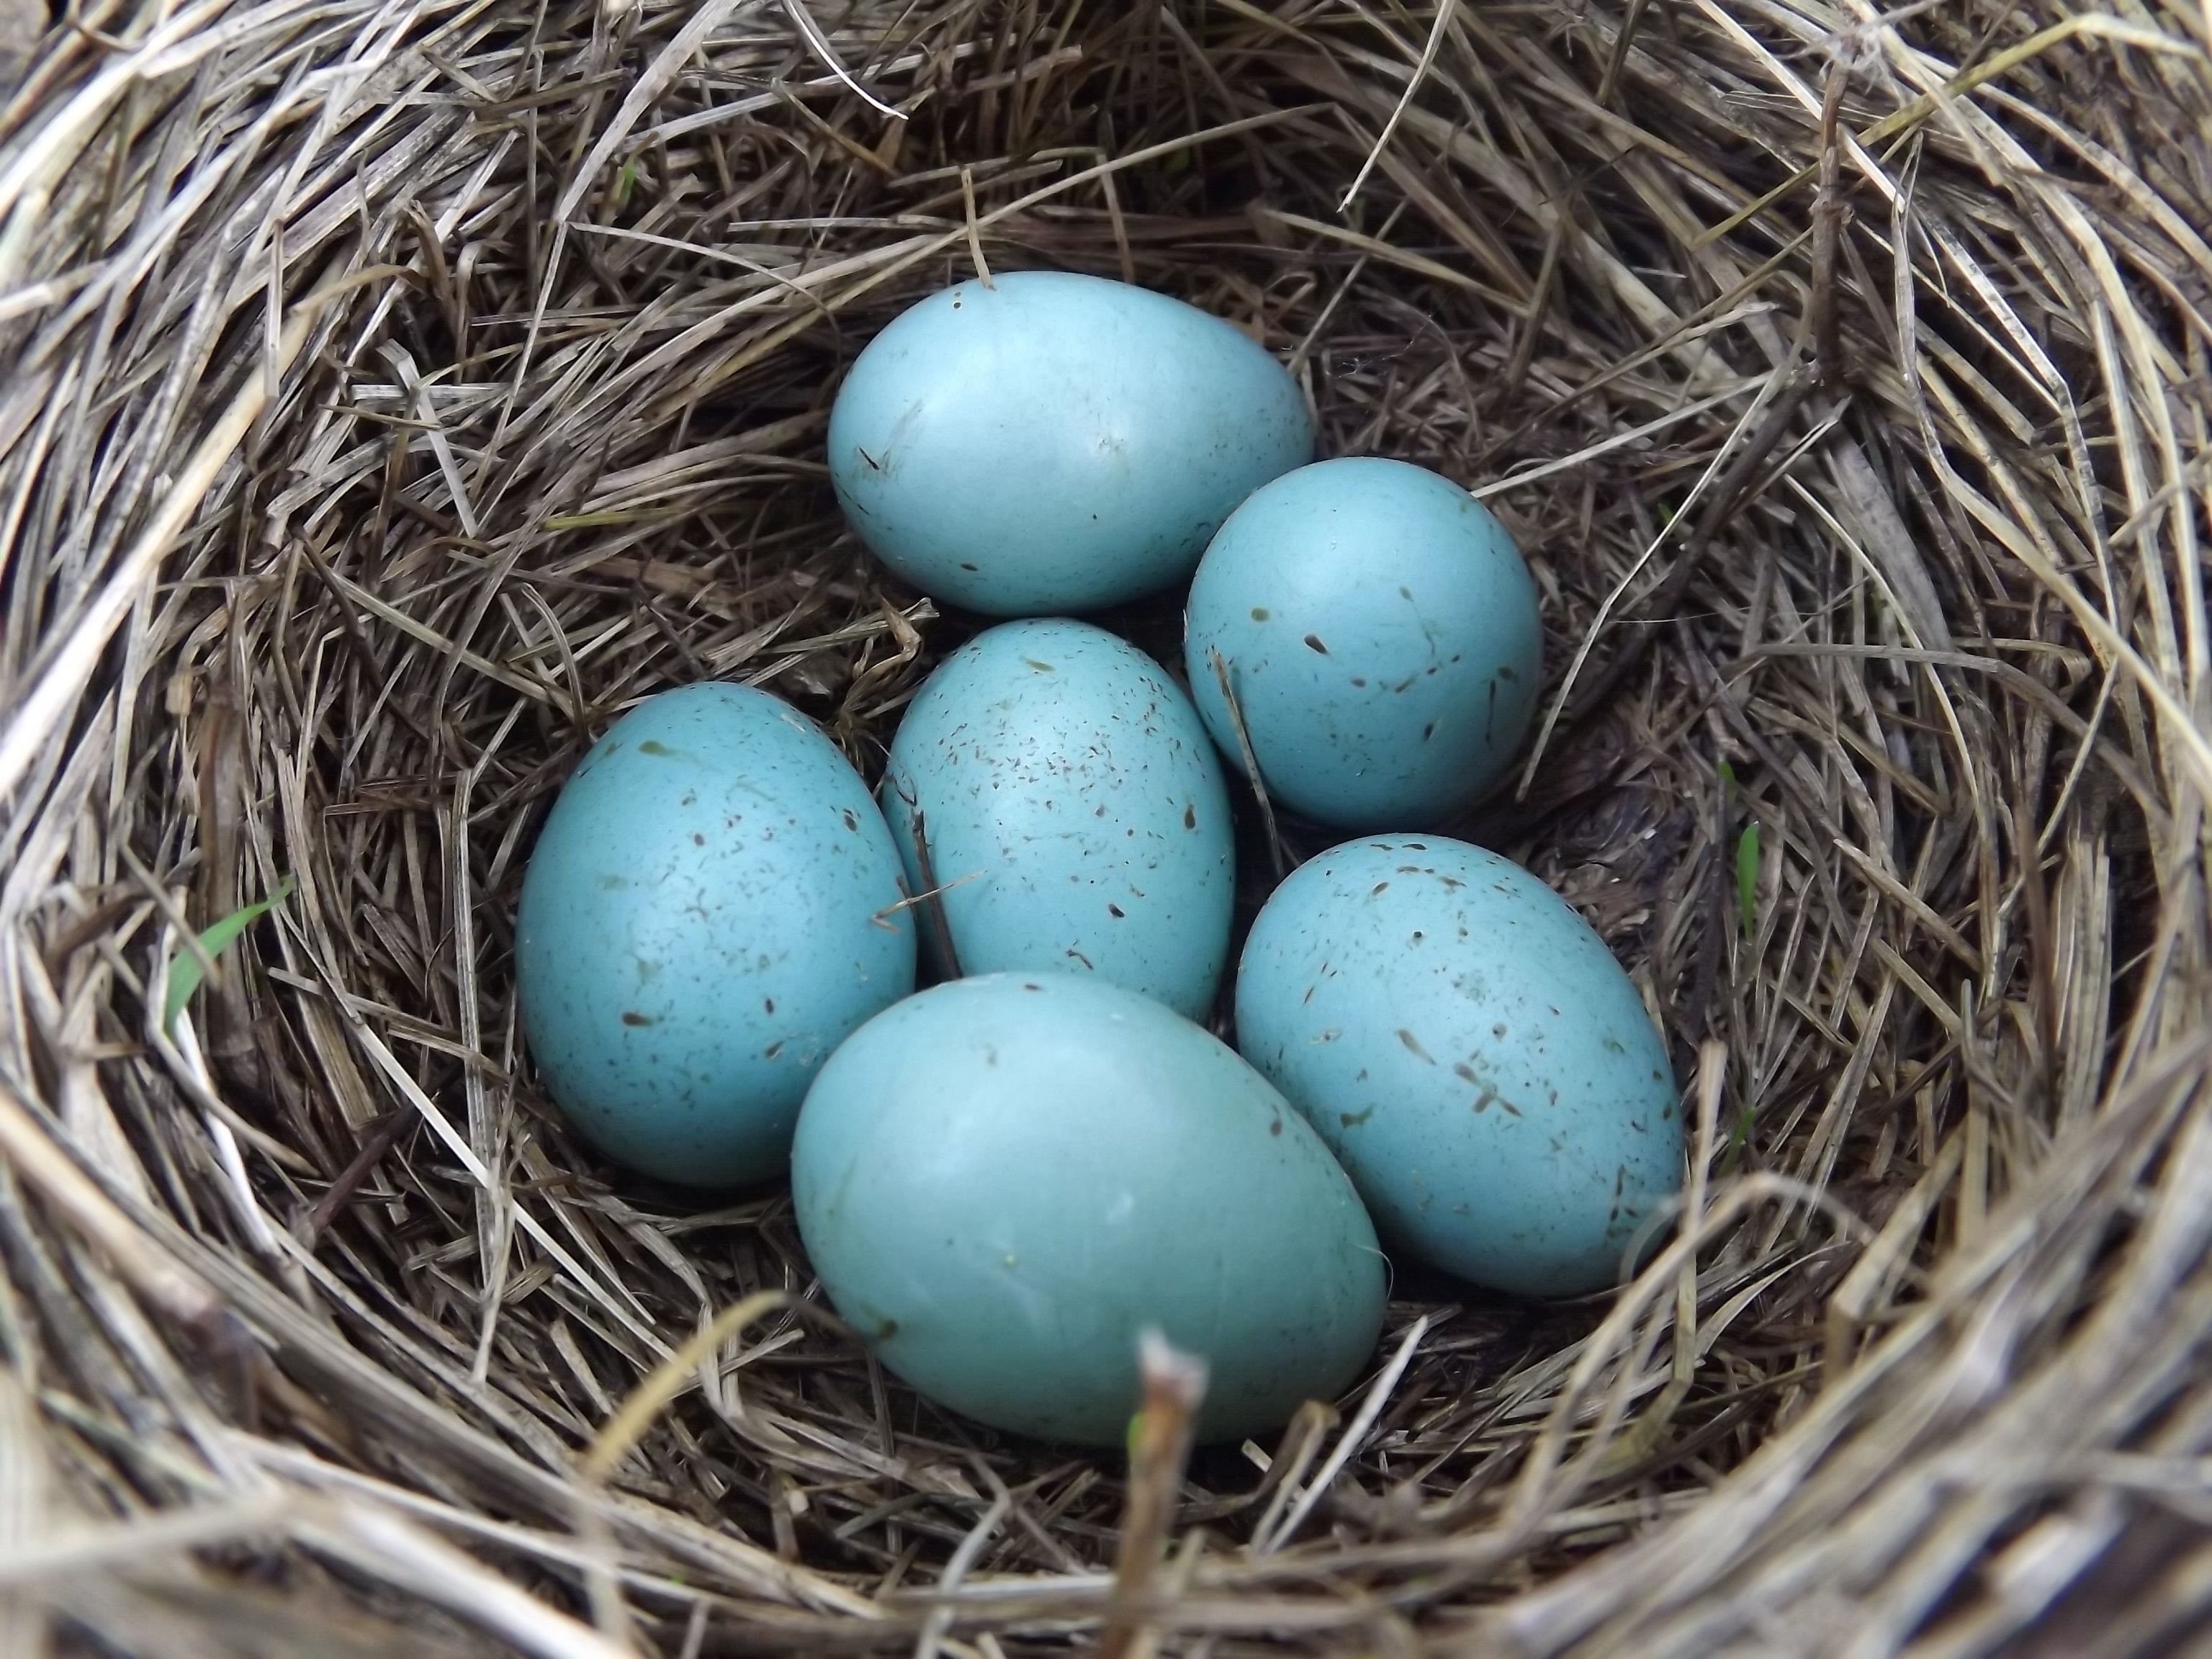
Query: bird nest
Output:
(395,391)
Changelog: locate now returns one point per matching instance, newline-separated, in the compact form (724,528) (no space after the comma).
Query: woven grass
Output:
(396,390)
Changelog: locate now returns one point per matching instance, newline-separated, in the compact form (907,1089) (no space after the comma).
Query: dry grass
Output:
(396,389)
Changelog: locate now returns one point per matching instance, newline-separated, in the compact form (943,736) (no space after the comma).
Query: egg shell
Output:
(1381,634)
(1472,1052)
(1073,812)
(1053,442)
(711,906)
(1001,1181)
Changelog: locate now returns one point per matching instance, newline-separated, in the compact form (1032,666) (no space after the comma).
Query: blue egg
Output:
(1073,813)
(1001,1181)
(1381,632)
(1472,1052)
(713,905)
(1054,443)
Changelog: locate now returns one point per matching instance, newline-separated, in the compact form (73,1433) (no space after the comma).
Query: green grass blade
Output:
(186,970)
(1746,877)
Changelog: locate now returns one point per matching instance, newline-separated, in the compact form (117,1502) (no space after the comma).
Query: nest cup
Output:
(393,394)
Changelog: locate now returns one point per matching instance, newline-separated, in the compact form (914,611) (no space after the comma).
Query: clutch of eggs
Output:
(1002,1180)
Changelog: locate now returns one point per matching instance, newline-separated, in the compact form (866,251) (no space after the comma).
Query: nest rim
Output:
(395,397)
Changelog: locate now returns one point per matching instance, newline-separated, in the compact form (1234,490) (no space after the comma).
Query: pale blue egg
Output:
(1472,1052)
(1001,1181)
(713,905)
(1055,443)
(1381,632)
(1073,812)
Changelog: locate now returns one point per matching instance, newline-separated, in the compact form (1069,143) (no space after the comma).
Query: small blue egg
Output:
(1054,443)
(1073,810)
(1381,632)
(713,905)
(1001,1181)
(1472,1052)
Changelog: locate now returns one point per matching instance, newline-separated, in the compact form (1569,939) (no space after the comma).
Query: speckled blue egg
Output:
(713,905)
(1055,443)
(1381,632)
(1054,787)
(1472,1052)
(1001,1181)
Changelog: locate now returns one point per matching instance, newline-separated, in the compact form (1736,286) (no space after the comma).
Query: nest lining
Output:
(396,393)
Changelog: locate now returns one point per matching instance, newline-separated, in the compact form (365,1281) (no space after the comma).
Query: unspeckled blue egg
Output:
(1053,443)
(713,905)
(1381,632)
(1073,812)
(1001,1181)
(1472,1052)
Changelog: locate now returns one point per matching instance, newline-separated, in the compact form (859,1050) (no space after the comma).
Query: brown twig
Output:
(1174,1388)
(380,1138)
